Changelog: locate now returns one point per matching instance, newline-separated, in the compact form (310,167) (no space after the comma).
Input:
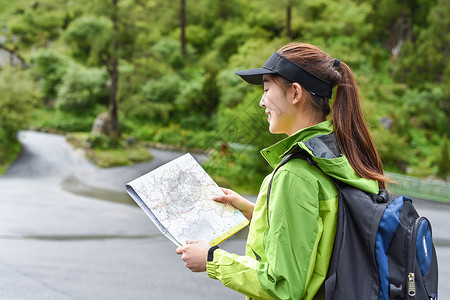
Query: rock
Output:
(386,122)
(101,125)
(131,141)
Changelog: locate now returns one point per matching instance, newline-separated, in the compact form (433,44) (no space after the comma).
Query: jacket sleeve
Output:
(290,245)
(236,272)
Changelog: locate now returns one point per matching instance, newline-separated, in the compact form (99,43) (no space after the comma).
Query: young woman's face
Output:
(279,108)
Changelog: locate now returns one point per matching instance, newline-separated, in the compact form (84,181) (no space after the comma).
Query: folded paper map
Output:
(178,198)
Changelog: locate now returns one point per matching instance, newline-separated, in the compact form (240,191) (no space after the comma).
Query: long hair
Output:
(352,135)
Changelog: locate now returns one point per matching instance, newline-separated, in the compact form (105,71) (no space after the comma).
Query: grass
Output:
(53,120)
(118,157)
(8,156)
(104,157)
(5,8)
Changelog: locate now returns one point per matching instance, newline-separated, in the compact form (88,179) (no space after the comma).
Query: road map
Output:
(178,198)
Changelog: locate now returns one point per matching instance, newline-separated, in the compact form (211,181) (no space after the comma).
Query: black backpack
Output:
(382,250)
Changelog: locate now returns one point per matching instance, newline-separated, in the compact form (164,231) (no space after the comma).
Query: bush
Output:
(24,26)
(169,50)
(154,101)
(19,95)
(82,89)
(425,108)
(393,149)
(241,170)
(233,37)
(190,95)
(443,160)
(36,23)
(90,38)
(176,136)
(49,68)
(198,37)
(51,119)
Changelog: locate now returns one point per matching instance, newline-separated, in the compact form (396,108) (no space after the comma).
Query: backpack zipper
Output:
(411,285)
(412,258)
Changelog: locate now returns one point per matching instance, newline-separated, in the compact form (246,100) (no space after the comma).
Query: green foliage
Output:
(175,135)
(336,22)
(232,87)
(169,50)
(210,94)
(239,169)
(194,96)
(155,100)
(198,37)
(103,142)
(398,51)
(424,108)
(393,149)
(36,23)
(234,36)
(90,38)
(5,11)
(51,119)
(114,157)
(19,96)
(82,89)
(426,58)
(25,27)
(107,152)
(49,69)
(443,160)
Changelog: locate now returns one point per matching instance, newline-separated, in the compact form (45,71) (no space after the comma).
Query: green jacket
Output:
(289,259)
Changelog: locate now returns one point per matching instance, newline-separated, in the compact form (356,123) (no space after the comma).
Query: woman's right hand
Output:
(239,202)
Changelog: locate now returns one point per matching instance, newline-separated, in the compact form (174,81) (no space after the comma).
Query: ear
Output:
(297,92)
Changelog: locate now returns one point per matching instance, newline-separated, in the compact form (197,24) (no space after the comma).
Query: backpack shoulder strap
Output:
(300,154)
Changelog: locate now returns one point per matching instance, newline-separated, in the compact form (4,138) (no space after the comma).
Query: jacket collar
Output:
(275,153)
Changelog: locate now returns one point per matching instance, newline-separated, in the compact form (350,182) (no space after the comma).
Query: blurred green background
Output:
(164,73)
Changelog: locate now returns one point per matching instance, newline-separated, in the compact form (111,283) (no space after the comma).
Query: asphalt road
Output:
(61,239)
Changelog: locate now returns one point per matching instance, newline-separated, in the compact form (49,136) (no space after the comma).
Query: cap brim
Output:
(254,76)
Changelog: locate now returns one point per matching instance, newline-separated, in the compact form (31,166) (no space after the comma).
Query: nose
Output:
(261,102)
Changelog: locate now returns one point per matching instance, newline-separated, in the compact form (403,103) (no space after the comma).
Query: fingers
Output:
(221,199)
(227,191)
(181,249)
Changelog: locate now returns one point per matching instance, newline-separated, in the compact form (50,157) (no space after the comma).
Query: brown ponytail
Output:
(353,137)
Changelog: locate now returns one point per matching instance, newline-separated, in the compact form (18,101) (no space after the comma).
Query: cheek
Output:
(274,107)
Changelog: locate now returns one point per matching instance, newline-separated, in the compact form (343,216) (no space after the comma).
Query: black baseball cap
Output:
(280,65)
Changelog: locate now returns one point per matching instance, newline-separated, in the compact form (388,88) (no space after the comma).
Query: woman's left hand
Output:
(194,255)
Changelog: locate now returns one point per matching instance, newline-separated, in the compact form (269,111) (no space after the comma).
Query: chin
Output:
(274,131)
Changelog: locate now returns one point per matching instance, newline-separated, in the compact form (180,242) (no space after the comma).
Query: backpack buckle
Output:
(382,196)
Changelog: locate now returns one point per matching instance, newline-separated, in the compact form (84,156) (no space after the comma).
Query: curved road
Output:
(60,239)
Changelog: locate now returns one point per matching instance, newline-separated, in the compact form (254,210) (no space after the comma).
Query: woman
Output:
(290,243)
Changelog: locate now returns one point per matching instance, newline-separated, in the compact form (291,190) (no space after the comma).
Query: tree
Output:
(95,40)
(426,58)
(113,71)
(395,22)
(288,19)
(183,27)
(443,159)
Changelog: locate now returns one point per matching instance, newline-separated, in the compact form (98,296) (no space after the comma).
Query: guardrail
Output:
(426,189)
